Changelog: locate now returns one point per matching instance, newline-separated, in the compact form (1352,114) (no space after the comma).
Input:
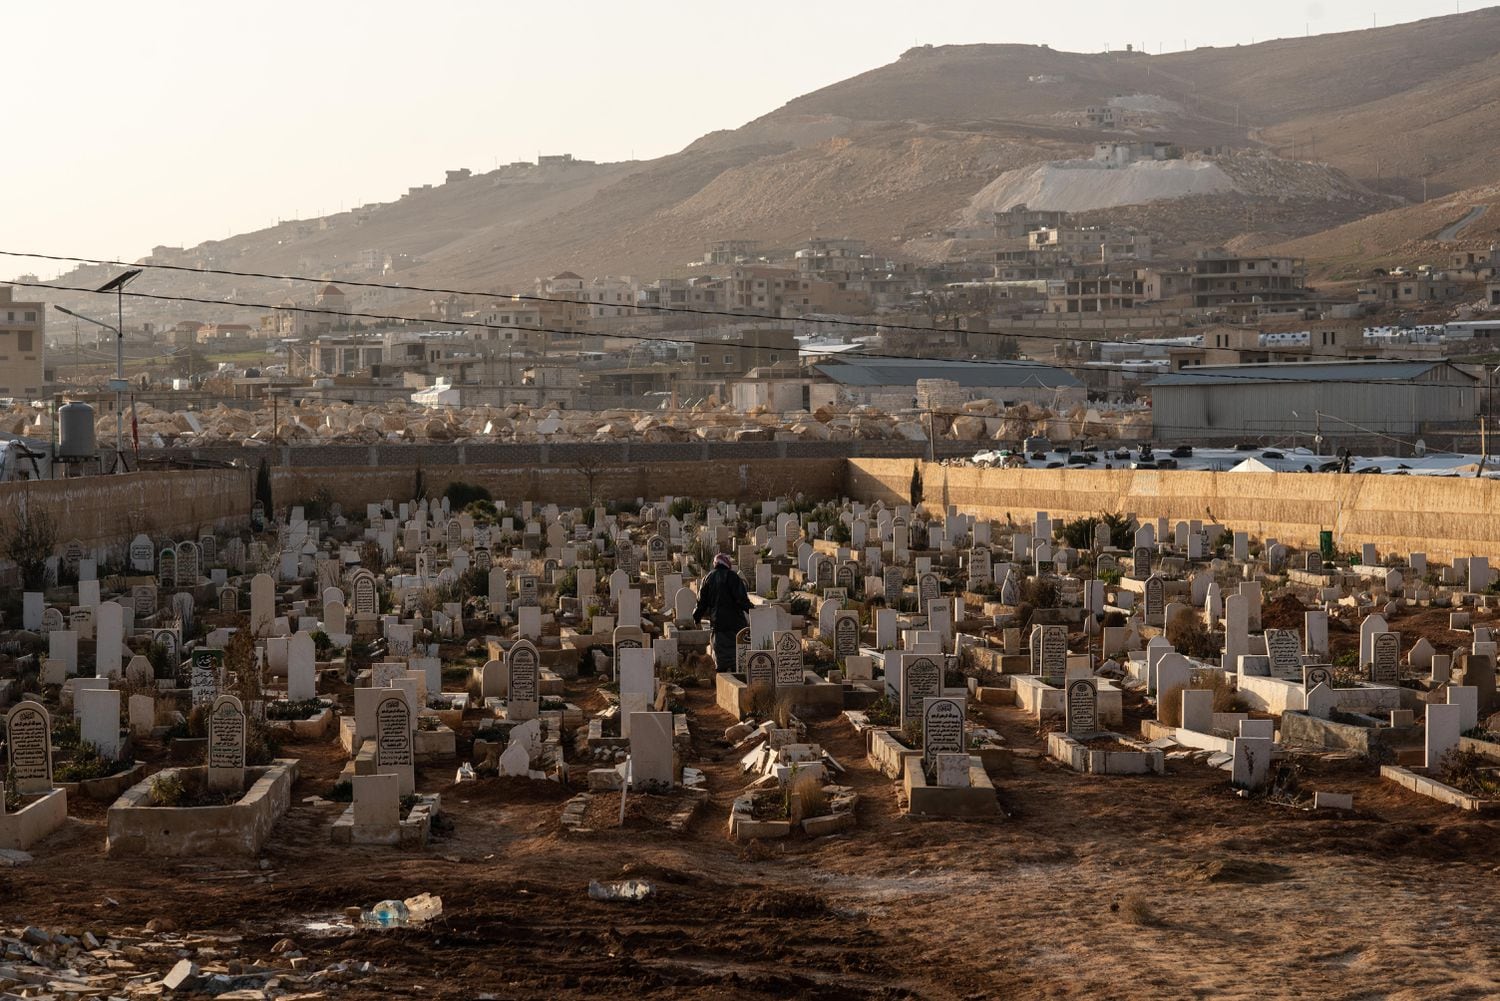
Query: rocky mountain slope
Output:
(897,154)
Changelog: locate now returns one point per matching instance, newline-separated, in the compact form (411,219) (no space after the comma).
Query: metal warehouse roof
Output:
(1347,371)
(906,371)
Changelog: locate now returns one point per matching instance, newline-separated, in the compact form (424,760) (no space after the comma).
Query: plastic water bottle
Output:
(390,914)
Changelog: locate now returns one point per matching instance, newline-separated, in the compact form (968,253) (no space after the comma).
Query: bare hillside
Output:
(898,154)
(1407,235)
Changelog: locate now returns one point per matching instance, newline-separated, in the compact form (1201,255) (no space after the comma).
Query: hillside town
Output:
(1011,523)
(1039,325)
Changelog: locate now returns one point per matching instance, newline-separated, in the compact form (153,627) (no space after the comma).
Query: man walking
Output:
(724,602)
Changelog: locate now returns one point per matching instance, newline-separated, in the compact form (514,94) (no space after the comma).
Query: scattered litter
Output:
(417,910)
(625,889)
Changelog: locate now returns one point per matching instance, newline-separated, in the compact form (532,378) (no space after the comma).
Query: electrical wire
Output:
(669,338)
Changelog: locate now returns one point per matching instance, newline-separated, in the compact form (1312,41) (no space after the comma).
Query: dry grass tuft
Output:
(783,710)
(762,700)
(1169,706)
(1134,908)
(807,789)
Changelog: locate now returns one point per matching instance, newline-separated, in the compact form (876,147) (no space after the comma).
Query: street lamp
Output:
(118,384)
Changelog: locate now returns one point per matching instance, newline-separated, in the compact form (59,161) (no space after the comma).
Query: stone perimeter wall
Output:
(107,511)
(1444,517)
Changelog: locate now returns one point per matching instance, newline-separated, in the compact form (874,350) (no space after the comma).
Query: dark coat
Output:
(723,601)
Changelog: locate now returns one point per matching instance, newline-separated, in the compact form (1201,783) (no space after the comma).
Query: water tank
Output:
(77,424)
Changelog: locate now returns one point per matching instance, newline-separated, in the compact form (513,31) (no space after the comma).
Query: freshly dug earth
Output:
(1245,898)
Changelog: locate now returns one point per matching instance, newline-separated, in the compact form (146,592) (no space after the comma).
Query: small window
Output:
(23,341)
(31,316)
(703,360)
(729,359)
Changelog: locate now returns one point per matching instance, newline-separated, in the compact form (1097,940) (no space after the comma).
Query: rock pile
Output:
(396,422)
(40,963)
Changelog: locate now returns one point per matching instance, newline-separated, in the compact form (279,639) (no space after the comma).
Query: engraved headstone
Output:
(523,666)
(1314,675)
(788,649)
(142,554)
(845,635)
(226,744)
(28,741)
(760,668)
(942,729)
(1081,706)
(204,681)
(921,678)
(1385,659)
(1284,646)
(393,739)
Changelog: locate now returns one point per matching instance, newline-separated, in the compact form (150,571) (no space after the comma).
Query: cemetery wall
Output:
(109,510)
(1444,517)
(723,479)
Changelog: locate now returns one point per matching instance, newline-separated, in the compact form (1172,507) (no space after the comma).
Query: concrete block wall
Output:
(1445,517)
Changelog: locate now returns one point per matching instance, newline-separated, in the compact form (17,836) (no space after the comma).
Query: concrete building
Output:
(23,347)
(1096,295)
(728,252)
(1344,401)
(1412,289)
(1272,342)
(1252,285)
(891,384)
(732,355)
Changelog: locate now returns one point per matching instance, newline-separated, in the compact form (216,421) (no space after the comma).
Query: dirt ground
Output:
(1110,887)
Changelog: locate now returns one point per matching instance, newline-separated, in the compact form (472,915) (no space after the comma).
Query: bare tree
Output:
(32,539)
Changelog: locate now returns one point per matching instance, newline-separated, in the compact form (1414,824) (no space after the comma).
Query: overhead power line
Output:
(532,297)
(671,338)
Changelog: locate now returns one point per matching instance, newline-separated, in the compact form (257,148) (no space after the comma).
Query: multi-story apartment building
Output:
(23,348)
(1223,280)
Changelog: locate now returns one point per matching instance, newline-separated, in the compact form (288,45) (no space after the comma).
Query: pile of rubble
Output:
(151,962)
(396,422)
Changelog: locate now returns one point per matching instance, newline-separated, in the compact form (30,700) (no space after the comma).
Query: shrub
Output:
(1190,636)
(883,712)
(29,543)
(263,490)
(1468,771)
(167,789)
(483,512)
(342,792)
(306,709)
(88,764)
(460,495)
(1079,533)
(1112,576)
(1039,593)
(261,743)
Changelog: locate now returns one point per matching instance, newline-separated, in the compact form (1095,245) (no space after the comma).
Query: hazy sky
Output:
(130,125)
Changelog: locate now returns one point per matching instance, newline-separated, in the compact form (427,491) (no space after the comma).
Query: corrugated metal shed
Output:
(1349,371)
